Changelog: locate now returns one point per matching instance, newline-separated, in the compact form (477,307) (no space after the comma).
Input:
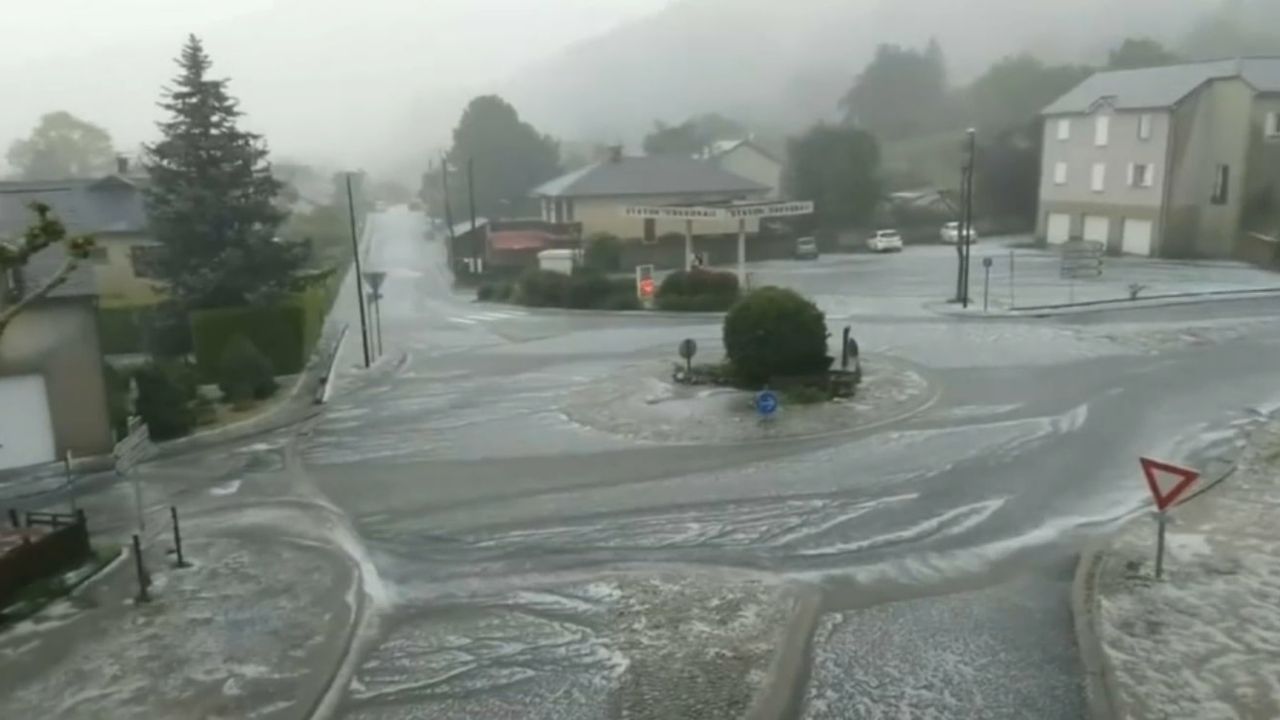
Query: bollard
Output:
(177,537)
(143,580)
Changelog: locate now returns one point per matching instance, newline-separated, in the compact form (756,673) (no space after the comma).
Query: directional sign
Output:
(1167,482)
(776,209)
(374,278)
(135,447)
(766,402)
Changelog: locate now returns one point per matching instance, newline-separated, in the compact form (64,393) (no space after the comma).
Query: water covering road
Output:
(534,567)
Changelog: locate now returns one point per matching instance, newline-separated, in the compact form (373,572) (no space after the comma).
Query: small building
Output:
(1174,161)
(595,198)
(749,159)
(53,393)
(113,210)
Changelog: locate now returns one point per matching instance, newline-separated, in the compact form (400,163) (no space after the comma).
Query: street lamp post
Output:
(355,251)
(964,242)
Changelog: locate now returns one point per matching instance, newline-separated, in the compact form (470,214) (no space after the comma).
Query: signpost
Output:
(766,403)
(688,348)
(1165,495)
(375,278)
(645,285)
(986,281)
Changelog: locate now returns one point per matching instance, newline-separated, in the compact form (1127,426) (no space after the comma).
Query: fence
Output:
(30,555)
(1030,278)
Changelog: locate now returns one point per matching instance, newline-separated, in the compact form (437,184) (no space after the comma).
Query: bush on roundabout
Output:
(775,333)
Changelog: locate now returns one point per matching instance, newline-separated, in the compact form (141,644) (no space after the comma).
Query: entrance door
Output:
(1137,237)
(26,430)
(1059,228)
(1097,228)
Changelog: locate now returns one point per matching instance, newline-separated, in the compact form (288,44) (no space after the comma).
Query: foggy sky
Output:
(327,81)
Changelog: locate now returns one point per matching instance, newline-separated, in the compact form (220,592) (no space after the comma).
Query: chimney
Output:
(122,165)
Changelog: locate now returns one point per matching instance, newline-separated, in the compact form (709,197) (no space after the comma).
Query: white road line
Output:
(463,320)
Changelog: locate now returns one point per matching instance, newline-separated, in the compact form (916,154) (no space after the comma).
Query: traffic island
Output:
(643,402)
(1204,640)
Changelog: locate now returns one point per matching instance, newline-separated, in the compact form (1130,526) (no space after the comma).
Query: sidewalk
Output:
(234,636)
(1205,641)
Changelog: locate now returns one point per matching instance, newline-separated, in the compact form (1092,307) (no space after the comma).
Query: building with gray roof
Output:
(1174,161)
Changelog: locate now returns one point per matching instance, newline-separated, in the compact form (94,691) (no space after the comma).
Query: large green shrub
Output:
(122,330)
(166,390)
(244,373)
(698,290)
(774,332)
(282,332)
(603,253)
(542,288)
(588,289)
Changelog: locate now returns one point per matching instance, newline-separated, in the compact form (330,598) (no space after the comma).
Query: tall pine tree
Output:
(211,198)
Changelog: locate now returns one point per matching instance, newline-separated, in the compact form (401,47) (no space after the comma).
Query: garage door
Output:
(1096,227)
(26,432)
(1059,228)
(1137,237)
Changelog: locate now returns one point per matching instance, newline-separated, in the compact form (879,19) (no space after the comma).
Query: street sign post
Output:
(766,403)
(986,281)
(1165,492)
(646,287)
(688,348)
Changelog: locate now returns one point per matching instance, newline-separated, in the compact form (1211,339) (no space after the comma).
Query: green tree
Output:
(1136,53)
(901,93)
(507,156)
(1015,89)
(63,146)
(1007,182)
(774,332)
(837,167)
(212,196)
(681,140)
(15,254)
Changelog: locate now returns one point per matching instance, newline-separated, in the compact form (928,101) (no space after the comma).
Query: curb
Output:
(782,692)
(1102,306)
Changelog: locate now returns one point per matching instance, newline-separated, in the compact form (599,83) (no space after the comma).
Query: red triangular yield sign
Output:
(1167,495)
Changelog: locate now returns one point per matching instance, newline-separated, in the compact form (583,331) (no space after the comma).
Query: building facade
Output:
(1176,161)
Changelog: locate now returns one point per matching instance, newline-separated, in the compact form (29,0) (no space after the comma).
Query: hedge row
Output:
(698,290)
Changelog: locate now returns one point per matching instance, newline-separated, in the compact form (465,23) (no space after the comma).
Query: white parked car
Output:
(950,234)
(885,241)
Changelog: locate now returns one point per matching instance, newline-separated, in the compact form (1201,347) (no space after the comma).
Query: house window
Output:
(1273,124)
(1064,128)
(1060,173)
(1102,130)
(147,261)
(1141,174)
(1099,179)
(1221,185)
(1144,127)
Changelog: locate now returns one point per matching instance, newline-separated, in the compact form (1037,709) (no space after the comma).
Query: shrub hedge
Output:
(698,290)
(774,332)
(166,390)
(244,373)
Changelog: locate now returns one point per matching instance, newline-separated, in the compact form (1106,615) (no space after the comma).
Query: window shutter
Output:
(1133,173)
(1149,179)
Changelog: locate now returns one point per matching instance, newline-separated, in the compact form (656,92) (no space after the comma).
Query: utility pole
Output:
(355,251)
(471,203)
(448,212)
(966,222)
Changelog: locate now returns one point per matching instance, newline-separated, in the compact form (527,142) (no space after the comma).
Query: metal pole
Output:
(844,348)
(377,319)
(1160,525)
(986,285)
(355,251)
(471,204)
(688,245)
(177,537)
(968,212)
(137,503)
(1011,302)
(141,570)
(742,252)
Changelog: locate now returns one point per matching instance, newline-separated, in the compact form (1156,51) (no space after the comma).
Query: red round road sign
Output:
(646,288)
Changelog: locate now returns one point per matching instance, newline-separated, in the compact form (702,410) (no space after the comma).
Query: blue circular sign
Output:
(766,402)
